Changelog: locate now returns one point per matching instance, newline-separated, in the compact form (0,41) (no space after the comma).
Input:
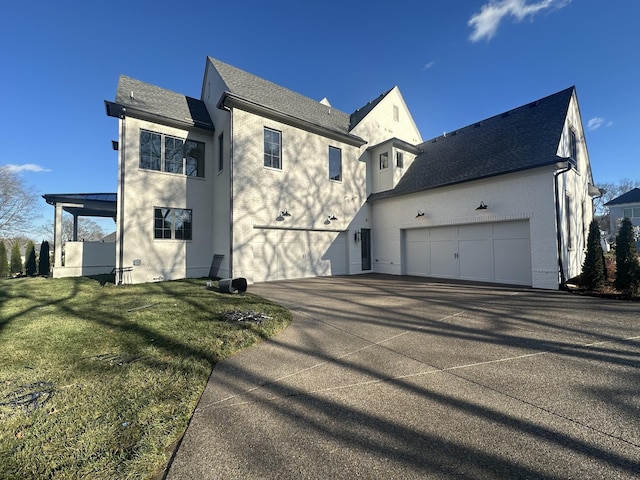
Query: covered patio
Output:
(79,257)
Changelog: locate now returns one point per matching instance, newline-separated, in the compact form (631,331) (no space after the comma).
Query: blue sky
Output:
(455,62)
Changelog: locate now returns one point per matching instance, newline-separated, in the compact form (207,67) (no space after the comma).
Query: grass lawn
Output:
(98,382)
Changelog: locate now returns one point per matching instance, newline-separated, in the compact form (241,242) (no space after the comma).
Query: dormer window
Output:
(384,161)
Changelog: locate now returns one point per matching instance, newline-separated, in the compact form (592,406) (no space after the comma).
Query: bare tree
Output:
(18,204)
(87,230)
(612,190)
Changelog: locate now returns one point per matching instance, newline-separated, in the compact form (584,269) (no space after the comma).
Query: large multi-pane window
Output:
(165,153)
(172,223)
(272,148)
(631,212)
(335,164)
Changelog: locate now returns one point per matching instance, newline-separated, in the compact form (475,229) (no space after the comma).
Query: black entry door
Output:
(365,248)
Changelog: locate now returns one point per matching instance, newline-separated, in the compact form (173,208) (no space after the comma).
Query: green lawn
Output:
(98,382)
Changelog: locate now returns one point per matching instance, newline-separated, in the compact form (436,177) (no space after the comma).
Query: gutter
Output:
(565,165)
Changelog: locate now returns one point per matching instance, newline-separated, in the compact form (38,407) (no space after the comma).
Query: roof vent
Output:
(477,124)
(534,104)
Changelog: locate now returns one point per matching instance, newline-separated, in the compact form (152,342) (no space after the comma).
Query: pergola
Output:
(78,205)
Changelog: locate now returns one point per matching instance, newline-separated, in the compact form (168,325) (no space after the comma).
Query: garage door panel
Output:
(512,259)
(475,259)
(416,252)
(443,259)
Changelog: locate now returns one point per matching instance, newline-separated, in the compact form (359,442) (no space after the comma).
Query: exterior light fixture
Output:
(115,145)
(482,206)
(284,213)
(332,217)
(357,236)
(420,214)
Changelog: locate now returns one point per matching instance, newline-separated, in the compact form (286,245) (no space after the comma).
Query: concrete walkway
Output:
(382,377)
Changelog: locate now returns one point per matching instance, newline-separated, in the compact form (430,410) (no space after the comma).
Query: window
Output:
(573,146)
(150,150)
(399,160)
(172,223)
(335,164)
(220,153)
(567,205)
(194,158)
(164,153)
(396,113)
(631,212)
(384,160)
(272,148)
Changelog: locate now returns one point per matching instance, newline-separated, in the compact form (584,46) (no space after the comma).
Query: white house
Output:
(626,205)
(256,181)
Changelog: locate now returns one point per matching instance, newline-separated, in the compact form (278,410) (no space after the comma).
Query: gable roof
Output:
(140,99)
(632,196)
(362,112)
(519,139)
(254,93)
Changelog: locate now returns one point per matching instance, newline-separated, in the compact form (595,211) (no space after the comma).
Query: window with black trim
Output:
(335,164)
(272,148)
(399,160)
(172,223)
(165,153)
(573,146)
(220,153)
(384,160)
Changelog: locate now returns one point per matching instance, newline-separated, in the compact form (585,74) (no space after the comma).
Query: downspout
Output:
(120,199)
(230,110)
(566,165)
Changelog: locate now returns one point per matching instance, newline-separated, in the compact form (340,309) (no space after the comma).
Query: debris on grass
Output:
(26,397)
(250,316)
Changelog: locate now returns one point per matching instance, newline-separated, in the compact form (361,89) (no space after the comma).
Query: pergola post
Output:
(57,237)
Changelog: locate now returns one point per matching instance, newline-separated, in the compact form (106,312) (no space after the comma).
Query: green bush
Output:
(593,268)
(627,266)
(16,260)
(4,261)
(44,262)
(30,259)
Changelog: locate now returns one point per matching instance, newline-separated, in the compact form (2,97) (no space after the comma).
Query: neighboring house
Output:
(256,181)
(626,205)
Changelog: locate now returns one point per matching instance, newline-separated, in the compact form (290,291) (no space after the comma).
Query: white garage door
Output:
(491,252)
(282,254)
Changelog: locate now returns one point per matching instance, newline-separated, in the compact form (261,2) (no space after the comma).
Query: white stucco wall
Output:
(302,186)
(155,259)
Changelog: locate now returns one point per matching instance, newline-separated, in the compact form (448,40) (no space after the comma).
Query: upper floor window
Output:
(631,212)
(384,160)
(165,153)
(272,148)
(335,164)
(220,153)
(399,160)
(172,223)
(573,146)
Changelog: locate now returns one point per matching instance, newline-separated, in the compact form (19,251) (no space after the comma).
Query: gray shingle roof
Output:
(262,92)
(362,112)
(523,138)
(632,196)
(149,99)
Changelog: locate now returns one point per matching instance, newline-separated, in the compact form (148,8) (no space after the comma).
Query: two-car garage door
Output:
(282,253)
(491,252)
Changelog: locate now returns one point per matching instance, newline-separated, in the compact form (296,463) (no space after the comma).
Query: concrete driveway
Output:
(385,377)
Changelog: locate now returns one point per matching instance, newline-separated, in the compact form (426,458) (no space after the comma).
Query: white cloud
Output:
(427,66)
(485,23)
(597,122)
(26,167)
